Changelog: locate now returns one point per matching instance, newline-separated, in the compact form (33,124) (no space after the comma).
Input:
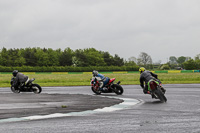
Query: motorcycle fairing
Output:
(152,84)
(112,80)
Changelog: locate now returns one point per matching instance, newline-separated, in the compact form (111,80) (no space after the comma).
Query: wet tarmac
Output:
(28,104)
(181,113)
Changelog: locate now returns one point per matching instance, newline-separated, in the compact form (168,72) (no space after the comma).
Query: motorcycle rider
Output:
(145,76)
(19,79)
(101,79)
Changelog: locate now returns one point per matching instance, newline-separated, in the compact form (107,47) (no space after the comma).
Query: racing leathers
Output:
(20,80)
(145,77)
(102,80)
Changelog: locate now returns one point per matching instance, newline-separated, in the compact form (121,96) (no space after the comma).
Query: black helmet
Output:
(95,73)
(15,73)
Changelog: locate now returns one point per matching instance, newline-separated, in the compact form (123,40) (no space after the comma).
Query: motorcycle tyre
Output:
(160,95)
(118,89)
(14,90)
(38,90)
(96,92)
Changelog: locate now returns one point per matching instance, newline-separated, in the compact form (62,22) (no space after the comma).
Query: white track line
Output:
(127,102)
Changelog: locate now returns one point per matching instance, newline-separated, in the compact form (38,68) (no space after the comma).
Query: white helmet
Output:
(95,73)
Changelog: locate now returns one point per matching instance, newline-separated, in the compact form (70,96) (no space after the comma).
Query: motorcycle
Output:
(156,90)
(110,87)
(28,87)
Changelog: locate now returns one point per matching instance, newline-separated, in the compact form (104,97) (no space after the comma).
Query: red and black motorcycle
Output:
(111,87)
(156,90)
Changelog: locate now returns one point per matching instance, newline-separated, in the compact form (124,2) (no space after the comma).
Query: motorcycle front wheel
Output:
(117,89)
(36,88)
(14,90)
(96,91)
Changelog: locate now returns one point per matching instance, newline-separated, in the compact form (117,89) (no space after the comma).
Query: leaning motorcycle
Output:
(156,90)
(111,87)
(28,87)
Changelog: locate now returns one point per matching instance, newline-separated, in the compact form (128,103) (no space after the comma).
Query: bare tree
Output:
(158,62)
(188,58)
(172,60)
(197,57)
(144,59)
(132,59)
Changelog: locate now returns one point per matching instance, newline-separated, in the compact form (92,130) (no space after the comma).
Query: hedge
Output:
(68,68)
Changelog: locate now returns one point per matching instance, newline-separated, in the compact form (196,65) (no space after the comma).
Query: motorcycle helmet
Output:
(95,73)
(142,69)
(15,73)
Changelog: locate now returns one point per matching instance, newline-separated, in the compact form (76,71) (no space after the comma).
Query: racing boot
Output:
(22,85)
(103,89)
(146,91)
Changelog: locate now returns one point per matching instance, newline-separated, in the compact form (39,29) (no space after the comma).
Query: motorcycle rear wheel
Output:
(36,88)
(117,89)
(160,95)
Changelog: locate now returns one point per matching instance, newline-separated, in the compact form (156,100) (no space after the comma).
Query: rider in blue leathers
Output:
(101,79)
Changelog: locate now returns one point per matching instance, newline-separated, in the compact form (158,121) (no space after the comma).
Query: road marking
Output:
(127,102)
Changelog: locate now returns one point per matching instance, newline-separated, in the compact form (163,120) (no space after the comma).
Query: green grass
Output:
(84,79)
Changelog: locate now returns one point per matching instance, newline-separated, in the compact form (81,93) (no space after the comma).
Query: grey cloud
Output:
(123,27)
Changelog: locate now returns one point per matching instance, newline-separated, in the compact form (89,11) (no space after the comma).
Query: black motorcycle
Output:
(28,87)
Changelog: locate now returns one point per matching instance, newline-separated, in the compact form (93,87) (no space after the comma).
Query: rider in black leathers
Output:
(19,79)
(145,77)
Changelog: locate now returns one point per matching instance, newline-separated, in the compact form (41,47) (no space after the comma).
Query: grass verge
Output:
(84,79)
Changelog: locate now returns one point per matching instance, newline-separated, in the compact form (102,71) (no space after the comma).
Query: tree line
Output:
(67,57)
(180,63)
(184,62)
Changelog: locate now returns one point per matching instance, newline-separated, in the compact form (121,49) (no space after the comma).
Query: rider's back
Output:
(21,77)
(146,76)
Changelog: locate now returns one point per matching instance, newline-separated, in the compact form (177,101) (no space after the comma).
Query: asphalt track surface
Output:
(180,114)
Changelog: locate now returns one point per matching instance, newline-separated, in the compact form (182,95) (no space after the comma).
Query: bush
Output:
(190,64)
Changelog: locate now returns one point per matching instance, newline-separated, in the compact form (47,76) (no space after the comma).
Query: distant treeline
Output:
(68,68)
(47,59)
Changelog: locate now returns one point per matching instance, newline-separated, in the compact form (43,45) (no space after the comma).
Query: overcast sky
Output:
(161,28)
